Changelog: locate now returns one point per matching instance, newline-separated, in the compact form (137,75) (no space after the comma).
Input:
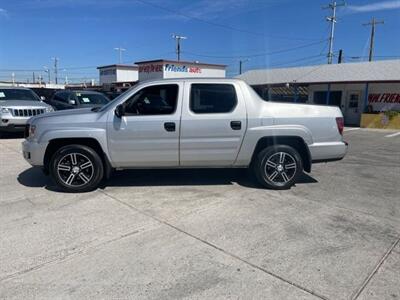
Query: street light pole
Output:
(119,49)
(56,69)
(47,70)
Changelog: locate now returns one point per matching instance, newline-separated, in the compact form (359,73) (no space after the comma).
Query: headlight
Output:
(49,109)
(32,130)
(4,110)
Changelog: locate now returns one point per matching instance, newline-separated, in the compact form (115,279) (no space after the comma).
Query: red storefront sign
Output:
(151,68)
(384,98)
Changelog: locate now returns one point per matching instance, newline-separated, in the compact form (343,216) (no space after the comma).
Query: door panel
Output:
(211,139)
(145,140)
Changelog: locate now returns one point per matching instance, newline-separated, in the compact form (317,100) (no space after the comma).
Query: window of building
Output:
(212,98)
(335,97)
(153,100)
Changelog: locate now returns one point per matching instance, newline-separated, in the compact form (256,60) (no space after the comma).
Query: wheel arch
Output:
(57,143)
(296,142)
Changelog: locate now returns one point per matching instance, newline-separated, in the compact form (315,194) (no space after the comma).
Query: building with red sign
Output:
(354,87)
(118,78)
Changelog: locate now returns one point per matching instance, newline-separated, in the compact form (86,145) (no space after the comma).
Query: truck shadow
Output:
(34,177)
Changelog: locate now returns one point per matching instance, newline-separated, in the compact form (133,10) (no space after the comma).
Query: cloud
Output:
(3,12)
(383,5)
(210,9)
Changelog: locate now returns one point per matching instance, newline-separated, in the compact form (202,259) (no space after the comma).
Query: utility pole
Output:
(241,65)
(56,68)
(178,39)
(332,20)
(340,58)
(13,78)
(120,50)
(373,23)
(33,77)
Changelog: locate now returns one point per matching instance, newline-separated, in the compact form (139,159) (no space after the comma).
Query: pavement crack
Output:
(232,255)
(69,255)
(358,292)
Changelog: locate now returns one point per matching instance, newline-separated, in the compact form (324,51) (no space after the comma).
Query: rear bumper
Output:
(33,152)
(324,152)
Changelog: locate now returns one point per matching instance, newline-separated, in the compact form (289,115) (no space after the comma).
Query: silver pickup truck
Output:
(185,123)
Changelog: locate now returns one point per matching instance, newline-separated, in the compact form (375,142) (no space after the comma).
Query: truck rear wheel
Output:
(278,167)
(76,168)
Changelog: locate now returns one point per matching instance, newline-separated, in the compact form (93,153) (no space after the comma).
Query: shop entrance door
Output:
(353,108)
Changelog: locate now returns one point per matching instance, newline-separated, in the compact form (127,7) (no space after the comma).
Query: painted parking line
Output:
(393,134)
(351,129)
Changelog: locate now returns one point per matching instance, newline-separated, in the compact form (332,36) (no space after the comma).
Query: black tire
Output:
(274,173)
(82,163)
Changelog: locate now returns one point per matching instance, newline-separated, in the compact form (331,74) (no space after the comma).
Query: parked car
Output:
(185,123)
(68,99)
(17,105)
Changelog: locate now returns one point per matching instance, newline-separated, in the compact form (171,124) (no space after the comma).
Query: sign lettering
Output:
(384,98)
(150,68)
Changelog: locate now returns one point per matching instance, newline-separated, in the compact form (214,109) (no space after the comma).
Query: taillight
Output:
(340,125)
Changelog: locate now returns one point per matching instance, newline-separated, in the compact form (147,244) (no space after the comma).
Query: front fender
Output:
(99,134)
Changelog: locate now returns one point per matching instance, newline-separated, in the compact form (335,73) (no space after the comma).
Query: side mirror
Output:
(42,98)
(72,102)
(120,111)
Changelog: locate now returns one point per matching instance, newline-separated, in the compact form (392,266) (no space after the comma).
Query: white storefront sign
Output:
(170,69)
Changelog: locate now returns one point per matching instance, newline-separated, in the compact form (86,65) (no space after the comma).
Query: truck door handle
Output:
(169,126)
(236,125)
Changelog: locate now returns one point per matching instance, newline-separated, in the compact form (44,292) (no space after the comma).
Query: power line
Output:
(258,54)
(217,24)
(308,59)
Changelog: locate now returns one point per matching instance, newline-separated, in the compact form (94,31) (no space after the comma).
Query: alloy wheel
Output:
(280,168)
(75,169)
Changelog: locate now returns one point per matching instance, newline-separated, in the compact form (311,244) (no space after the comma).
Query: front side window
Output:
(18,94)
(62,97)
(212,98)
(153,100)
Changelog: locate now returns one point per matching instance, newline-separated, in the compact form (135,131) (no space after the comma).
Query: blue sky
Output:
(84,33)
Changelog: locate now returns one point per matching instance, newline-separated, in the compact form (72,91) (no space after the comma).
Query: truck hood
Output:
(23,103)
(64,116)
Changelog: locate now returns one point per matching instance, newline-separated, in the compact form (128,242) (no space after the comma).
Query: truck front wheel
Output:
(278,167)
(76,168)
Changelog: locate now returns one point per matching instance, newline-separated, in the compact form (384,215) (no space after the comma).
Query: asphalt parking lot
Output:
(206,233)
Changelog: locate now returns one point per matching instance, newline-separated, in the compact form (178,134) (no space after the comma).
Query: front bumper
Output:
(33,152)
(13,124)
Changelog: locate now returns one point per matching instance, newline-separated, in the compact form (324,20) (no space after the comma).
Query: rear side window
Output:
(212,98)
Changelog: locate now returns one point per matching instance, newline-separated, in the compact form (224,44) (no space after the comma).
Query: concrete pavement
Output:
(171,234)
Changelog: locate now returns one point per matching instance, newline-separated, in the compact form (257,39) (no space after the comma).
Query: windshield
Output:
(91,98)
(103,108)
(18,94)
